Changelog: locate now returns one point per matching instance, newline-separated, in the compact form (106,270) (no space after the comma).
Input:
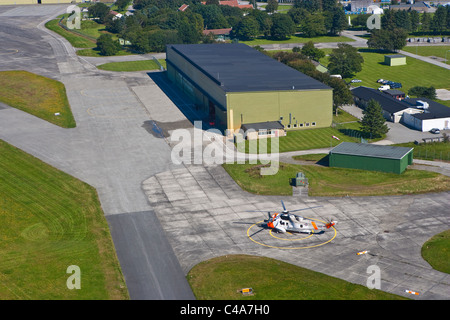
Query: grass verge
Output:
(140,65)
(48,222)
(345,127)
(326,181)
(37,95)
(436,251)
(221,278)
(75,40)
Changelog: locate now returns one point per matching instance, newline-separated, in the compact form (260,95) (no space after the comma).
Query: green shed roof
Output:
(394,56)
(371,150)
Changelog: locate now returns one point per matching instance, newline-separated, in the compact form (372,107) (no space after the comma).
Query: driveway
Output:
(398,132)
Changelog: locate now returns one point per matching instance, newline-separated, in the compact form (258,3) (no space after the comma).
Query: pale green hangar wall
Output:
(295,109)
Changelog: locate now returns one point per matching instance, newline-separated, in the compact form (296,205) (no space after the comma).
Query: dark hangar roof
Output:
(387,102)
(239,68)
(371,150)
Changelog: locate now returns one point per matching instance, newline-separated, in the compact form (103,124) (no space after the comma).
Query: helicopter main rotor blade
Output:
(305,209)
(282,203)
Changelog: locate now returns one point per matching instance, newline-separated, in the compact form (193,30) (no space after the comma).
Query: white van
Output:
(385,87)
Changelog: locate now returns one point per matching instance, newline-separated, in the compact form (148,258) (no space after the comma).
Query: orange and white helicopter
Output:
(288,222)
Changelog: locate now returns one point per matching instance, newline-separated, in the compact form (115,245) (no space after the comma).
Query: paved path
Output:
(426,59)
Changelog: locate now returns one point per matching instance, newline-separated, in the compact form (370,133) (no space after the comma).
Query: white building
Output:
(431,115)
(419,113)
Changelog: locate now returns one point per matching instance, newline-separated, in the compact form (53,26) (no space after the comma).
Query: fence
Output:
(431,154)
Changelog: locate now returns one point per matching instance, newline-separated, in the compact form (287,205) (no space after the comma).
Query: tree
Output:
(345,60)
(247,28)
(424,92)
(403,20)
(264,21)
(312,52)
(329,5)
(388,40)
(122,4)
(297,14)
(425,22)
(388,20)
(272,6)
(338,20)
(188,33)
(107,46)
(99,11)
(212,16)
(313,25)
(439,21)
(373,122)
(341,94)
(415,19)
(282,26)
(310,5)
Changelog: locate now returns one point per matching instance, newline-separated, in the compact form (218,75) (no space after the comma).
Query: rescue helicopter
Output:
(288,222)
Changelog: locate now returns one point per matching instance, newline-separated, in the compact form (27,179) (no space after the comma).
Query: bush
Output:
(107,46)
(423,92)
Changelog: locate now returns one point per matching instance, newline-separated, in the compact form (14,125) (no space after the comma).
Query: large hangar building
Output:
(234,84)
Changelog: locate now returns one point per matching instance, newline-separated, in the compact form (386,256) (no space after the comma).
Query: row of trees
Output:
(156,20)
(411,21)
(396,25)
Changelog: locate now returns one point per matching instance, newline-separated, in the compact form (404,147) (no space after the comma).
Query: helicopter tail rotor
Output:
(331,223)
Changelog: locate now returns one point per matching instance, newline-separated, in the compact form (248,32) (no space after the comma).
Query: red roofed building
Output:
(183,7)
(219,34)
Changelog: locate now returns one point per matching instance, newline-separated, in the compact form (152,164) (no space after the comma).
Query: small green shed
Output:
(394,60)
(371,157)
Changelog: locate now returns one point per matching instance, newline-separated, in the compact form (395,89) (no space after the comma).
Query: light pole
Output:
(446,55)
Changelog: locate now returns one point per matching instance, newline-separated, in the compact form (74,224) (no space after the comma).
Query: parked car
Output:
(435,131)
(385,87)
(355,80)
(380,80)
(395,85)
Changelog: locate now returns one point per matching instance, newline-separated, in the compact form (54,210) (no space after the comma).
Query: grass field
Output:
(301,140)
(414,73)
(437,251)
(347,128)
(37,95)
(48,222)
(296,39)
(140,65)
(326,181)
(428,51)
(221,278)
